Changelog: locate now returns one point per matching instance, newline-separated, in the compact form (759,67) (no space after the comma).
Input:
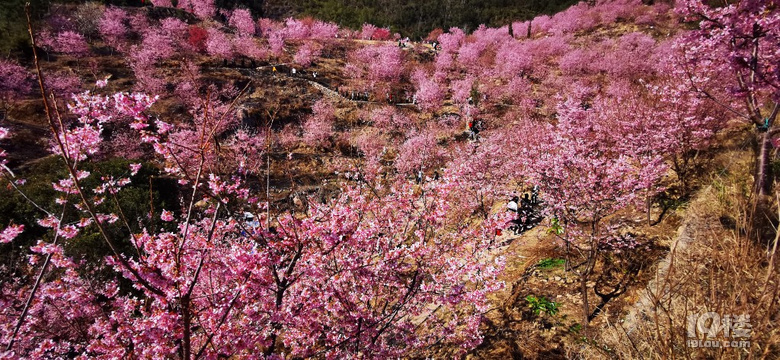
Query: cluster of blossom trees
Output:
(369,274)
(387,267)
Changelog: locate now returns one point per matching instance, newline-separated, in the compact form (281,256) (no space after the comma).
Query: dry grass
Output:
(696,259)
(713,267)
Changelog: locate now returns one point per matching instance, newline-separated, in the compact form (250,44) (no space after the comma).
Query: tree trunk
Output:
(763,171)
(528,34)
(590,264)
(187,323)
(585,305)
(649,203)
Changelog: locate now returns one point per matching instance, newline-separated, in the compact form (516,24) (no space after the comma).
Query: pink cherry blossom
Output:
(10,233)
(166,215)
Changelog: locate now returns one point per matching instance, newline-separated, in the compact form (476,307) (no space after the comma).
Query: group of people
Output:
(528,211)
(293,71)
(241,63)
(356,95)
(420,177)
(250,222)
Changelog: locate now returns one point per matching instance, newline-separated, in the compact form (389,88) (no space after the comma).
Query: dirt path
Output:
(657,287)
(331,94)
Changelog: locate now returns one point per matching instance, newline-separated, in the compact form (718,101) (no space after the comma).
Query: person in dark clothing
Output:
(526,203)
(475,126)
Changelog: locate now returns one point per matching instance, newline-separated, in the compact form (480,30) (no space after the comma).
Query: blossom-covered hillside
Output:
(188,181)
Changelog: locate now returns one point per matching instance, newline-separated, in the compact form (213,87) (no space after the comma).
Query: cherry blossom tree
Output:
(306,54)
(63,84)
(373,147)
(71,43)
(249,47)
(267,26)
(204,9)
(296,29)
(429,93)
(388,118)
(383,267)
(419,152)
(375,68)
(485,172)
(139,23)
(162,3)
(367,31)
(368,271)
(113,27)
(452,40)
(155,46)
(276,43)
(318,127)
(324,30)
(737,38)
(586,175)
(175,30)
(241,20)
(219,45)
(16,83)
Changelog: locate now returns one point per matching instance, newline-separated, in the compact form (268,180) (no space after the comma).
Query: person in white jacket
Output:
(512,205)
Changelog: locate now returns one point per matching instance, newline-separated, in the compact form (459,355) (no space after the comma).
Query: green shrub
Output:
(542,305)
(550,263)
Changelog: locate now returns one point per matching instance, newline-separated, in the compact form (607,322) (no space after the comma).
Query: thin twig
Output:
(37,284)
(72,170)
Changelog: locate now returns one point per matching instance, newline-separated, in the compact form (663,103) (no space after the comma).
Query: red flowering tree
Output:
(196,38)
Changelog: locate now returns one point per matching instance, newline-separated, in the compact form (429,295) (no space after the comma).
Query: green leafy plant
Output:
(555,227)
(542,305)
(575,328)
(549,263)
